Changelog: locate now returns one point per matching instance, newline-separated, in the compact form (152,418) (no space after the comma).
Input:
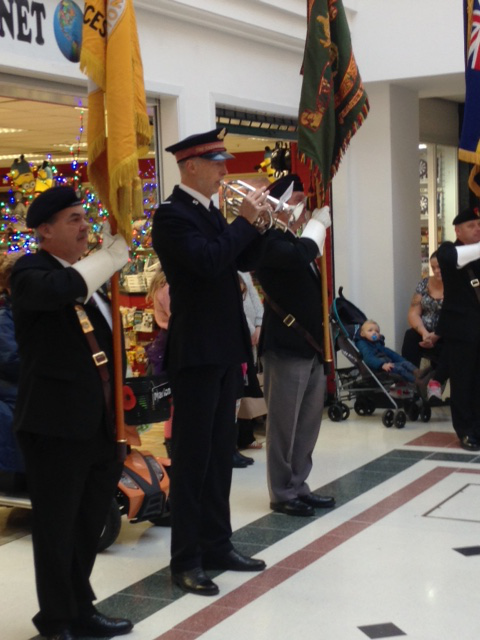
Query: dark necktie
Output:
(217,216)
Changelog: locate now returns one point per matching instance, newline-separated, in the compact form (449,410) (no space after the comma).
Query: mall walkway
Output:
(399,556)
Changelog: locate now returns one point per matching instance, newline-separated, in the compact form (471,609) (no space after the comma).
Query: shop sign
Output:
(21,20)
(48,30)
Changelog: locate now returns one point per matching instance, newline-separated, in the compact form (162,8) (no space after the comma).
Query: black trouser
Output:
(203,443)
(464,364)
(71,485)
(413,352)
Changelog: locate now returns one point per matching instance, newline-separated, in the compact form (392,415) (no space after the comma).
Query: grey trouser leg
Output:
(294,391)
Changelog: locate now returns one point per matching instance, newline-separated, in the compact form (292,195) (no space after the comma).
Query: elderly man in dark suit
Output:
(291,343)
(63,416)
(208,341)
(459,324)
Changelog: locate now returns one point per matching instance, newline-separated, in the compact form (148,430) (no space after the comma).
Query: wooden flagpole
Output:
(327,346)
(117,360)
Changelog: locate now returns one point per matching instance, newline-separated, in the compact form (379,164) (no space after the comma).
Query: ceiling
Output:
(39,129)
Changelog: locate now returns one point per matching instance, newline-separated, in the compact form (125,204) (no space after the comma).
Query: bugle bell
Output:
(234,192)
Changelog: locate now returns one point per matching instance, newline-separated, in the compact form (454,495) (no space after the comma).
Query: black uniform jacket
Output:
(460,314)
(60,392)
(286,273)
(200,254)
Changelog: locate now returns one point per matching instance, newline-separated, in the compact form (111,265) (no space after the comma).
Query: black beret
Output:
(472,213)
(50,202)
(278,188)
(207,145)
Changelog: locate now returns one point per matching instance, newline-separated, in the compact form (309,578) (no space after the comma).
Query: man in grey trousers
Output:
(291,350)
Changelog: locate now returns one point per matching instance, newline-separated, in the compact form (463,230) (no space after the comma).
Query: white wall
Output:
(375,211)
(408,38)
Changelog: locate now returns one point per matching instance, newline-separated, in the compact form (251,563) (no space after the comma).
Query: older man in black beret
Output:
(459,324)
(208,341)
(291,351)
(63,416)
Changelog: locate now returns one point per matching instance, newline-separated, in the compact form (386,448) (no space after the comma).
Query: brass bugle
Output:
(234,192)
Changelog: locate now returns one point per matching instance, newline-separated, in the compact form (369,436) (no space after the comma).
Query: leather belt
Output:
(99,357)
(474,282)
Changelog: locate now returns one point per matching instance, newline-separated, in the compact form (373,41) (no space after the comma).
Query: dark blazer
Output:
(60,392)
(286,274)
(200,254)
(460,314)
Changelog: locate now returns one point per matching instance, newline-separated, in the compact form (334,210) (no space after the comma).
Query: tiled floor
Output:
(399,556)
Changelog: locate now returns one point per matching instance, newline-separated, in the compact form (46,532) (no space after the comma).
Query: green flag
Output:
(333,103)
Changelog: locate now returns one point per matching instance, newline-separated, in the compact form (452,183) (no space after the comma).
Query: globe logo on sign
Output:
(67,26)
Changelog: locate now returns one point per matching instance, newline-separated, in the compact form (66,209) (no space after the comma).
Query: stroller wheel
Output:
(364,406)
(425,413)
(388,417)
(345,411)
(400,419)
(335,412)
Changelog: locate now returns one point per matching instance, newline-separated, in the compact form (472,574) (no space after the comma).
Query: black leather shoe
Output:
(99,626)
(247,459)
(195,581)
(65,634)
(470,443)
(233,561)
(318,502)
(294,507)
(238,462)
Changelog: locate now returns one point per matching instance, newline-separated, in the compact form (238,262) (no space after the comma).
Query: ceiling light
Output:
(32,159)
(65,145)
(5,130)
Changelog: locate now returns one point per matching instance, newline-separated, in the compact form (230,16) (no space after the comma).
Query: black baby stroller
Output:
(369,390)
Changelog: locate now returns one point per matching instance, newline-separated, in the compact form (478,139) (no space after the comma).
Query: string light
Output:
(11,222)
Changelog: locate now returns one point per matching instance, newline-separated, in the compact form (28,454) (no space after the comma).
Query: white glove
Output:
(115,245)
(101,265)
(316,231)
(323,216)
(467,253)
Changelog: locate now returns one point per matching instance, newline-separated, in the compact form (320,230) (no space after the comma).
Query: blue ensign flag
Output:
(469,150)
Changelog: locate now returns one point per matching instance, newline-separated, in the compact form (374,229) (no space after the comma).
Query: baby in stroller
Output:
(378,357)
(379,379)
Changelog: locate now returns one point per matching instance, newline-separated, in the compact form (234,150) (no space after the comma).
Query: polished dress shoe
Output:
(238,461)
(470,443)
(233,561)
(294,507)
(99,626)
(64,634)
(318,502)
(247,459)
(195,581)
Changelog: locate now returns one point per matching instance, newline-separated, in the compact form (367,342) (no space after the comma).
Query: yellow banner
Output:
(118,130)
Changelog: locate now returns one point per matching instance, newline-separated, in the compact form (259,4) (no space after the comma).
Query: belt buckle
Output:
(100,358)
(475,282)
(289,320)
